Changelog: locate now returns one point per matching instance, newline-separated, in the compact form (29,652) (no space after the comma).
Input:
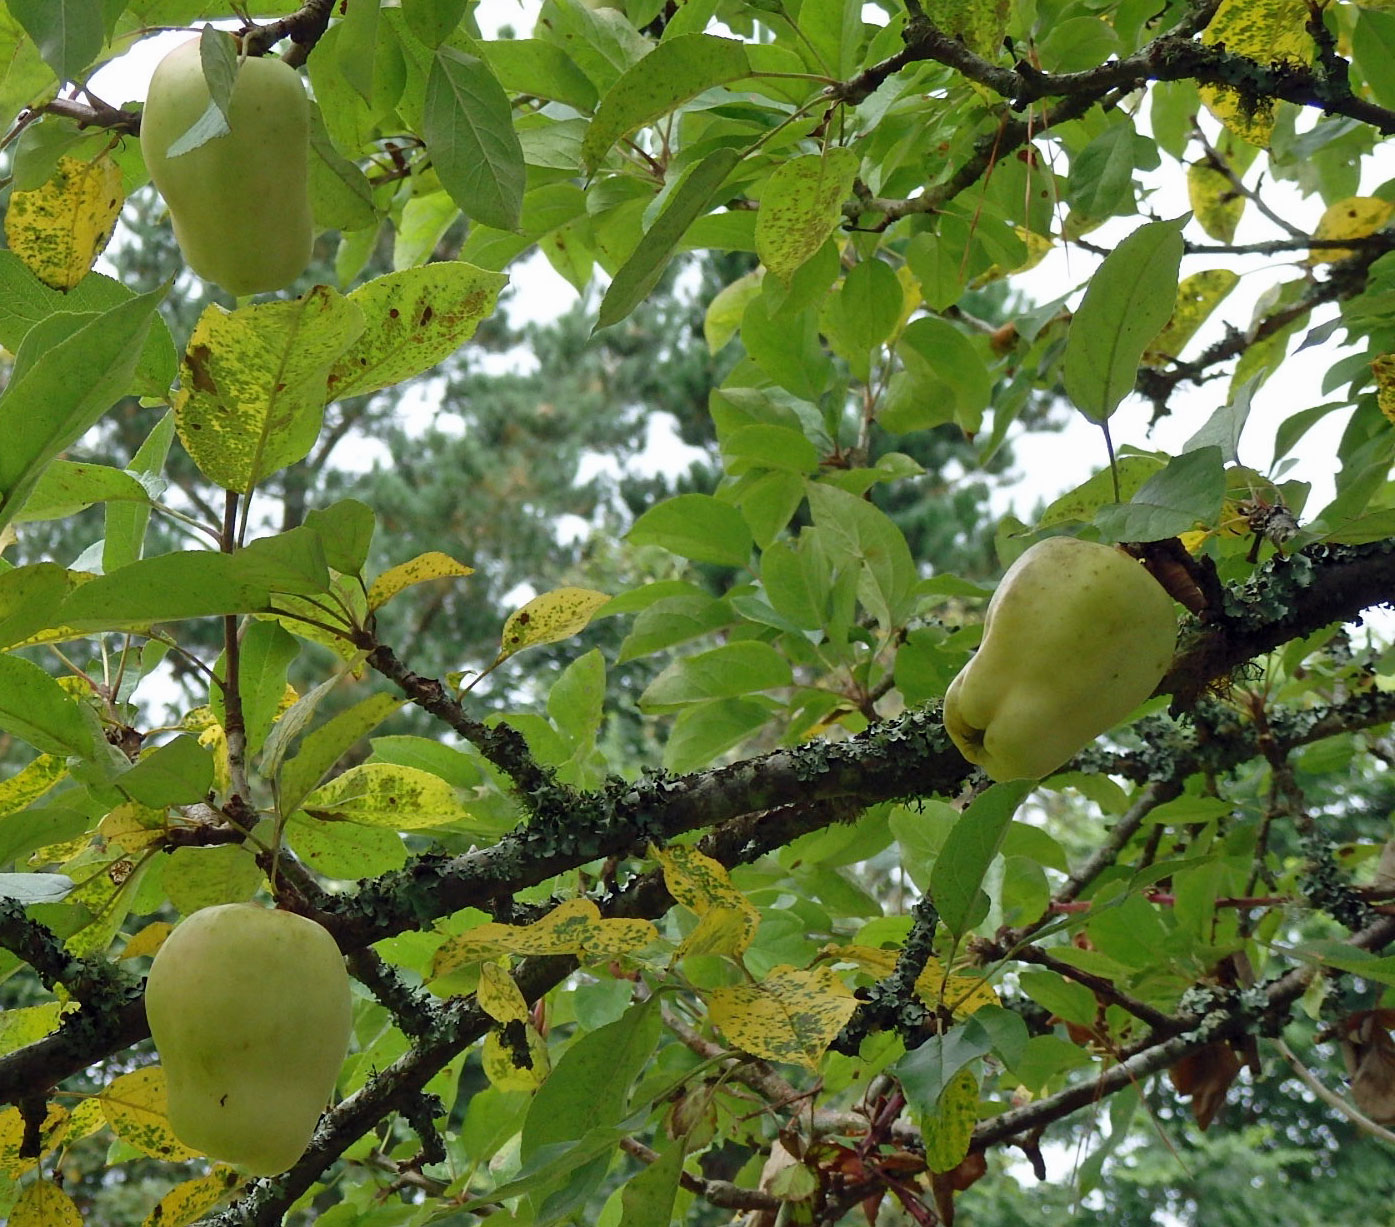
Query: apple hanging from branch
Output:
(250,1012)
(1076,636)
(240,202)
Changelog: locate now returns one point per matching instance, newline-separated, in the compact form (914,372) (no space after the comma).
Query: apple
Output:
(1076,636)
(239,202)
(249,1009)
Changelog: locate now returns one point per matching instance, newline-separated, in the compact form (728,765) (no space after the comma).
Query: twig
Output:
(716,1192)
(1331,1098)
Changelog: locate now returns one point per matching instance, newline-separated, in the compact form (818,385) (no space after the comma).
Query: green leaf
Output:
(696,526)
(180,772)
(68,371)
(167,588)
(195,878)
(1128,301)
(345,530)
(341,198)
(412,320)
(1064,998)
(1187,493)
(705,730)
(36,709)
(1101,175)
(855,529)
(252,384)
(641,272)
(30,598)
(25,300)
(541,70)
(647,1199)
(324,747)
(949,378)
(672,620)
(676,70)
(68,487)
(728,672)
(968,851)
(266,652)
(68,33)
(1081,504)
(469,134)
(590,1085)
(30,888)
(924,1072)
(800,205)
(345,850)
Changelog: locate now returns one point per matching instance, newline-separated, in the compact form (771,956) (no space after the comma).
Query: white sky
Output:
(1047,464)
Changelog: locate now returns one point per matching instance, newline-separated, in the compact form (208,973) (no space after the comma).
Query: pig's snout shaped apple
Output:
(239,202)
(1076,636)
(250,1011)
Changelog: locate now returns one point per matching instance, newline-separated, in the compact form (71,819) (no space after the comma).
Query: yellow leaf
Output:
(727,920)
(1197,296)
(387,795)
(791,1015)
(1352,218)
(1384,370)
(190,1201)
(86,1118)
(252,384)
(949,1130)
(136,1110)
(1269,31)
(499,996)
(502,1068)
(548,618)
(574,927)
(1214,200)
(431,565)
(60,229)
(30,783)
(27,1024)
(53,1131)
(962,994)
(414,318)
(133,827)
(44,1204)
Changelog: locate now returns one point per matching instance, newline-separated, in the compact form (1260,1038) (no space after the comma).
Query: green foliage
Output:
(621,779)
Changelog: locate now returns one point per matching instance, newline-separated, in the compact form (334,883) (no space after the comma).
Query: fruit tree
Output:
(705,917)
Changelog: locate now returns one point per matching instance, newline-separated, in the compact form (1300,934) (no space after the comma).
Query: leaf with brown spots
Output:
(791,1015)
(800,206)
(573,927)
(431,565)
(550,618)
(386,795)
(252,384)
(414,318)
(136,1109)
(44,1204)
(187,1202)
(60,229)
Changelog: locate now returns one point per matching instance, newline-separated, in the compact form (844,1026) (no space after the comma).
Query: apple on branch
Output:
(250,1012)
(1076,636)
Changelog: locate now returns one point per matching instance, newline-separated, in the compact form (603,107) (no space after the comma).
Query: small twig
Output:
(716,1192)
(1331,1098)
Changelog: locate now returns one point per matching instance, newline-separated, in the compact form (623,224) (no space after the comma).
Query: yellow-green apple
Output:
(1076,636)
(239,202)
(249,1010)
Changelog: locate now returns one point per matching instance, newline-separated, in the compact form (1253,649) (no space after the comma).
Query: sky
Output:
(1048,464)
